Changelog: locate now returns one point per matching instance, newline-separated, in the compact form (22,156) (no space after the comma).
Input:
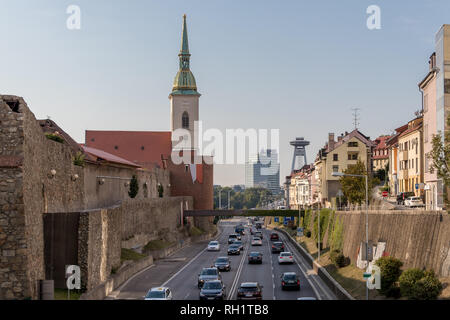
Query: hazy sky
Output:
(299,66)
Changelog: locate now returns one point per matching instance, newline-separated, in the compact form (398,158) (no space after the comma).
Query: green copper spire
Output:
(184,82)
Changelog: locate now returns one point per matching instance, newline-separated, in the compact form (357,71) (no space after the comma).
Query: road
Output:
(180,271)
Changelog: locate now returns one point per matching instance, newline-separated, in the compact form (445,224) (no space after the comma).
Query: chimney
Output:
(330,141)
(340,137)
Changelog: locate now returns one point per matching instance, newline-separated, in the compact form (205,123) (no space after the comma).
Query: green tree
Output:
(390,272)
(354,188)
(134,187)
(440,158)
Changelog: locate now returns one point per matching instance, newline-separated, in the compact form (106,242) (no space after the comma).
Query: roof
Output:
(355,133)
(145,148)
(100,156)
(50,126)
(381,142)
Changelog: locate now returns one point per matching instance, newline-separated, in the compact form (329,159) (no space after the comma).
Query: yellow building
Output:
(410,157)
(339,155)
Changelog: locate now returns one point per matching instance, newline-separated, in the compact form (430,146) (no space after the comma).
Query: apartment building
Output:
(380,154)
(392,146)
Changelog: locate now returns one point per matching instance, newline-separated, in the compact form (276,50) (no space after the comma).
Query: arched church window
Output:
(185,120)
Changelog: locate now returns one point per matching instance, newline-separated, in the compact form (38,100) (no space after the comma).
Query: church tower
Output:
(184,97)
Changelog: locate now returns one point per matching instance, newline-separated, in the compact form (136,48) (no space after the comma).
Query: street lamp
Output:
(340,174)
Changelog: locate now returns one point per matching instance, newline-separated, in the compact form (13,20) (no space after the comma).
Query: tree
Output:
(354,188)
(419,284)
(440,157)
(134,187)
(390,272)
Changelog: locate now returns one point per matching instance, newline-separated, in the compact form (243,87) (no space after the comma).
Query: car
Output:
(255,257)
(256,241)
(274,237)
(158,293)
(259,234)
(290,280)
(413,202)
(211,273)
(232,237)
(240,244)
(252,231)
(258,225)
(249,291)
(285,257)
(239,229)
(277,247)
(402,196)
(214,246)
(233,249)
(306,298)
(223,264)
(213,290)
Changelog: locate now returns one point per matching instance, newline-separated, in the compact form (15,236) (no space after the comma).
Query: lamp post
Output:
(340,174)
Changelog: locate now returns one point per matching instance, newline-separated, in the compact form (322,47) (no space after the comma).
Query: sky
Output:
(297,66)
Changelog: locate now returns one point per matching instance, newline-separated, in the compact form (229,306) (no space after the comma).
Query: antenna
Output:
(356,117)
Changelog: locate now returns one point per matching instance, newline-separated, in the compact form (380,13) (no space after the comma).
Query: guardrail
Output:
(335,287)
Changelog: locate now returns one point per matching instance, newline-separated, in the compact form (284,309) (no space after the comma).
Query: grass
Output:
(61,294)
(194,231)
(157,245)
(128,254)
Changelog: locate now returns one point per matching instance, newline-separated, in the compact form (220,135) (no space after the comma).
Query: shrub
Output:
(390,272)
(54,137)
(338,258)
(420,285)
(134,187)
(78,159)
(307,233)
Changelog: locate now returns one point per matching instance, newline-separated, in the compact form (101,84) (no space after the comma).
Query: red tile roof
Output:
(145,148)
(100,155)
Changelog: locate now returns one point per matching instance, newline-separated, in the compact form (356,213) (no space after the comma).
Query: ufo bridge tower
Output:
(299,159)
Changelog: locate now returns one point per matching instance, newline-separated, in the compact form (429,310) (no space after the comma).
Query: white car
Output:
(214,246)
(413,202)
(285,257)
(159,293)
(256,241)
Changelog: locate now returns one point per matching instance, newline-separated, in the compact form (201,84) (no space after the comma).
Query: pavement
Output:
(180,271)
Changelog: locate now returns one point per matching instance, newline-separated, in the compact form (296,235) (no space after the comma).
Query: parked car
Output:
(290,280)
(414,202)
(233,249)
(213,290)
(159,293)
(256,241)
(232,237)
(211,273)
(402,196)
(285,257)
(274,237)
(277,247)
(249,291)
(223,264)
(255,257)
(214,246)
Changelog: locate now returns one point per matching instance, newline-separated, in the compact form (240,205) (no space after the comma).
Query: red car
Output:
(274,237)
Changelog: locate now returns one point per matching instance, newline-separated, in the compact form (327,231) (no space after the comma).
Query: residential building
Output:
(380,156)
(410,158)
(392,145)
(338,156)
(263,170)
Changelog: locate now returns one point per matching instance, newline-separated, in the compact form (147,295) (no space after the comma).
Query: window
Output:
(352,156)
(335,157)
(353,144)
(335,168)
(185,120)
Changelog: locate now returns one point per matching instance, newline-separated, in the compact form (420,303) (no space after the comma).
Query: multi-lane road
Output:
(180,271)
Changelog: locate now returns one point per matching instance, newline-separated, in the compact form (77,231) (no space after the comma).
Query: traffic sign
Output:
(417,186)
(276,219)
(367,275)
(385,194)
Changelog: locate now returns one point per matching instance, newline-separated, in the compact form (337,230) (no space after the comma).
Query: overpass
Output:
(242,213)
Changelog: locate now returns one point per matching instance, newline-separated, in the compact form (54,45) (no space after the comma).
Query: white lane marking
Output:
(186,265)
(239,271)
(271,265)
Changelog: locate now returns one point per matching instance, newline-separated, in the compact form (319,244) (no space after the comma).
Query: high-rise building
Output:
(263,170)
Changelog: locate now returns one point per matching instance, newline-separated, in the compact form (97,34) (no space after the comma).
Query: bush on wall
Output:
(417,284)
(390,272)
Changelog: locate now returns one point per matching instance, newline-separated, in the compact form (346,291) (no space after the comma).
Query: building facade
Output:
(263,170)
(380,154)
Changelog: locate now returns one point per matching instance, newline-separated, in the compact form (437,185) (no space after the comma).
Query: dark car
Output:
(402,196)
(223,264)
(239,229)
(255,257)
(232,238)
(208,274)
(258,225)
(274,237)
(234,249)
(277,247)
(240,244)
(290,280)
(259,234)
(249,291)
(213,290)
